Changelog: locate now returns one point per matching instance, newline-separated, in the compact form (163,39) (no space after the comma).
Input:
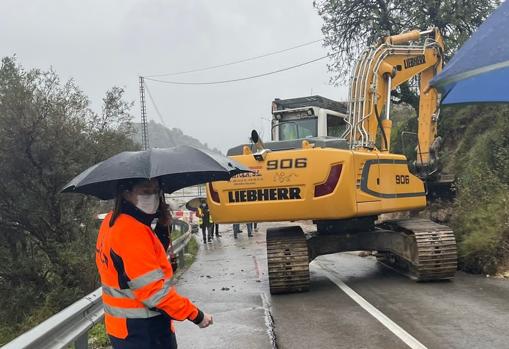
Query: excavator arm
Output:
(380,70)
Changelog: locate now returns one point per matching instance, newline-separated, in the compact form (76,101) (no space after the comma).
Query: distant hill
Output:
(162,137)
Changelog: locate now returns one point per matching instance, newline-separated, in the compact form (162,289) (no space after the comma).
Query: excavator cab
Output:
(308,117)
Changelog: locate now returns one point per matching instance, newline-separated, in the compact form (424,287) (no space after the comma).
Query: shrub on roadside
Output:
(477,151)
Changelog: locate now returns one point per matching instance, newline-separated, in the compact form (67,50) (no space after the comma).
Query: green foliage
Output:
(477,151)
(350,26)
(98,337)
(48,134)
(480,220)
(192,251)
(404,128)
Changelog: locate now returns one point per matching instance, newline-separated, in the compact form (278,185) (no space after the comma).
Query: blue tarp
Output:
(479,71)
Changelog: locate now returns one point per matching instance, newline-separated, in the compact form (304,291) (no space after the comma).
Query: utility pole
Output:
(144,129)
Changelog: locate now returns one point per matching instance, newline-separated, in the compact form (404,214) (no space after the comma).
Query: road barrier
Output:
(179,244)
(71,325)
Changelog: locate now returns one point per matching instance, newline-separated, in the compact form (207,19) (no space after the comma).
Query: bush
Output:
(477,151)
(98,337)
(480,219)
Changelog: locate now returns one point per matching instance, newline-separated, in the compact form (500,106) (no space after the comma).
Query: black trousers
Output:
(151,333)
(205,230)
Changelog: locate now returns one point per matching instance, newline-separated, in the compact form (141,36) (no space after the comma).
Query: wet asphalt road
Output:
(229,280)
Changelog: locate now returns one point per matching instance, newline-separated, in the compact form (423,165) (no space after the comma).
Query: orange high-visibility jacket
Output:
(135,276)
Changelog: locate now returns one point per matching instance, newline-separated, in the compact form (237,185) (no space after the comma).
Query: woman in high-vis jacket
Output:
(139,302)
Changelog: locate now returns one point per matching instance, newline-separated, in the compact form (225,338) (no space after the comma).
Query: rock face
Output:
(162,137)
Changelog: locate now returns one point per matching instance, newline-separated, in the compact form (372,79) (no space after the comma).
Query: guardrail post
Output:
(82,341)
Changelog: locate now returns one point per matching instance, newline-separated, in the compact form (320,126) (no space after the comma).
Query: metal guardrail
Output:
(181,242)
(71,325)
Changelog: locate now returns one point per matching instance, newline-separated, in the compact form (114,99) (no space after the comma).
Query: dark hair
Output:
(122,186)
(116,208)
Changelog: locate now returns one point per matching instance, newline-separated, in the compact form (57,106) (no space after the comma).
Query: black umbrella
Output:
(193,204)
(176,168)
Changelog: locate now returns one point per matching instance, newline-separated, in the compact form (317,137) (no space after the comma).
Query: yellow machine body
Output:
(338,171)
(284,185)
(373,181)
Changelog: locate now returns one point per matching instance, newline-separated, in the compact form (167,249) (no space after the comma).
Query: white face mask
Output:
(148,203)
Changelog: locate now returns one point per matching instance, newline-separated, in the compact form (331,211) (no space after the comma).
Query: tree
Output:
(48,134)
(351,25)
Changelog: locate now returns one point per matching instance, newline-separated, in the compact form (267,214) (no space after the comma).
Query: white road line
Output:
(377,314)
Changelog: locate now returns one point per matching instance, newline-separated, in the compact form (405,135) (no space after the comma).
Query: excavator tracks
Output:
(433,250)
(288,260)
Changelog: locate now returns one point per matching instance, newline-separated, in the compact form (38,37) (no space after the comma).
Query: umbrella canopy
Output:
(479,71)
(176,168)
(193,204)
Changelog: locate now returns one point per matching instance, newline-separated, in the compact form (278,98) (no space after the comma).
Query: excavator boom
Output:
(382,69)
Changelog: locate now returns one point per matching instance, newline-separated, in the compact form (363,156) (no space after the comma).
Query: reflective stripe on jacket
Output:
(199,213)
(135,276)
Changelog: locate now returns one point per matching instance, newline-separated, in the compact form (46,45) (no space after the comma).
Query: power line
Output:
(236,62)
(237,79)
(155,106)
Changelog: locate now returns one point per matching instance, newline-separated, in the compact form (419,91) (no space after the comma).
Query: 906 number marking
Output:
(402,179)
(286,163)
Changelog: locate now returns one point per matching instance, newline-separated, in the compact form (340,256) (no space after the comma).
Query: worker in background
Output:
(204,221)
(140,304)
(249,227)
(211,225)
(236,230)
(199,214)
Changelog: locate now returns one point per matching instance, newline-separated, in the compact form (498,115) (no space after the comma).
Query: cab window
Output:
(335,126)
(297,128)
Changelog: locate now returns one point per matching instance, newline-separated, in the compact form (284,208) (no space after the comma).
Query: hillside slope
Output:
(476,151)
(163,137)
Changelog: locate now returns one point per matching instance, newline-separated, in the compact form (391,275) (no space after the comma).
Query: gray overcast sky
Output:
(102,43)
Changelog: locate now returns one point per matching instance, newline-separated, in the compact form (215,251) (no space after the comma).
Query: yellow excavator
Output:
(331,163)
